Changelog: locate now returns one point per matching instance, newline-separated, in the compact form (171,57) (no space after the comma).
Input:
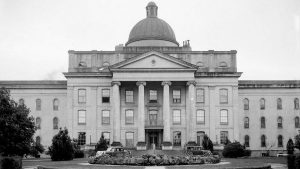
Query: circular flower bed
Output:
(149,159)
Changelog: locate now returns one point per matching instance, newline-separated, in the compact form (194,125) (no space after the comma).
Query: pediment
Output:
(153,60)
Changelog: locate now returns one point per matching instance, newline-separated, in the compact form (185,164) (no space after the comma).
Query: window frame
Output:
(296,103)
(81,140)
(200,116)
(263,141)
(223,96)
(279,141)
(105,97)
(262,122)
(279,103)
(176,100)
(175,117)
(246,104)
(247,141)
(222,117)
(246,123)
(200,95)
(223,136)
(297,122)
(106,139)
(55,123)
(129,96)
(21,102)
(126,117)
(127,142)
(279,122)
(82,96)
(38,123)
(81,119)
(38,104)
(262,104)
(177,141)
(55,104)
(151,100)
(105,120)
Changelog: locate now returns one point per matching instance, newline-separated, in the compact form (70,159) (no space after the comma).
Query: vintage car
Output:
(115,152)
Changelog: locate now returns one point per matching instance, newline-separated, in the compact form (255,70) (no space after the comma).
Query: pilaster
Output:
(117,114)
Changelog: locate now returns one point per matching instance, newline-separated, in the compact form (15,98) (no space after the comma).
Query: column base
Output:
(116,144)
(141,145)
(166,145)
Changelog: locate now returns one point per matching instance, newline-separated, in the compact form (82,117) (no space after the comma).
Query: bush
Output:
(101,145)
(247,153)
(291,161)
(207,143)
(290,146)
(78,154)
(36,149)
(11,163)
(61,148)
(233,150)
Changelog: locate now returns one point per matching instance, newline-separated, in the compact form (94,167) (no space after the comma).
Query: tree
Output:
(297,141)
(61,148)
(35,149)
(227,141)
(16,127)
(207,143)
(102,144)
(233,150)
(290,146)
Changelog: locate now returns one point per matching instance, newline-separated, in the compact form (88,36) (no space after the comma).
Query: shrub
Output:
(297,162)
(291,161)
(101,145)
(290,146)
(61,148)
(36,149)
(233,150)
(247,153)
(10,163)
(207,143)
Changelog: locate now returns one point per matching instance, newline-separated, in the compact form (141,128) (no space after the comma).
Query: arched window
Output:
(296,103)
(262,103)
(297,125)
(224,117)
(21,102)
(263,141)
(247,141)
(176,138)
(262,122)
(38,140)
(55,104)
(279,104)
(38,104)
(280,141)
(246,104)
(55,123)
(38,122)
(279,122)
(246,122)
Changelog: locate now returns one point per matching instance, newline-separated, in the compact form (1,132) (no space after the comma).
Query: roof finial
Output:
(151,10)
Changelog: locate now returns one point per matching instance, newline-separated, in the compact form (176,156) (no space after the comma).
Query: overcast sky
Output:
(35,35)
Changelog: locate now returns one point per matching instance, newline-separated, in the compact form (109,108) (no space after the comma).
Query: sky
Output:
(35,35)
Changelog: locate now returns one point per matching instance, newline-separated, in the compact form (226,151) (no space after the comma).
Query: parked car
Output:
(115,152)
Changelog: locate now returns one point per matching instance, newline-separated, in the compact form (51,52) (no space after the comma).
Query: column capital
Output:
(166,83)
(138,83)
(191,83)
(116,83)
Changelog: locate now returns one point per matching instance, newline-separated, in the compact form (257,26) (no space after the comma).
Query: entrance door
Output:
(153,140)
(200,135)
(153,117)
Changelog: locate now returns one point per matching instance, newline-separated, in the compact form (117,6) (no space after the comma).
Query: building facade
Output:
(154,91)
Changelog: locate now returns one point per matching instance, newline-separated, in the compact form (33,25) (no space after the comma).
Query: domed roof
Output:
(152,28)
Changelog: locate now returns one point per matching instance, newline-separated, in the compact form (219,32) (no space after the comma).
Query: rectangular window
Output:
(129,139)
(176,117)
(129,96)
(200,95)
(81,96)
(81,138)
(106,136)
(153,96)
(81,116)
(223,96)
(177,138)
(224,117)
(38,104)
(129,117)
(105,117)
(200,116)
(223,137)
(176,96)
(105,95)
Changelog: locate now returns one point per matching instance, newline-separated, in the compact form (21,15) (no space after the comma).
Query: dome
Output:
(152,31)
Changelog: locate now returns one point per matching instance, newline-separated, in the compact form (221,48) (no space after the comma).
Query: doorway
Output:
(153,139)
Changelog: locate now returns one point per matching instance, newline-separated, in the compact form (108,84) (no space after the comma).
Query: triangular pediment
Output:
(153,60)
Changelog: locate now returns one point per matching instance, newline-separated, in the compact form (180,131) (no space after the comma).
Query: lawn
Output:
(82,163)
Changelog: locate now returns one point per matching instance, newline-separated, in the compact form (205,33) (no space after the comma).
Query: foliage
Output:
(297,142)
(234,150)
(101,145)
(207,143)
(16,127)
(11,163)
(227,141)
(291,161)
(78,153)
(290,146)
(61,148)
(35,149)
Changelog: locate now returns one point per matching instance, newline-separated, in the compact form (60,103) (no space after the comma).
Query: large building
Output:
(154,91)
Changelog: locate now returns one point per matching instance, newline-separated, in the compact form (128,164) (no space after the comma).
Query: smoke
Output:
(55,75)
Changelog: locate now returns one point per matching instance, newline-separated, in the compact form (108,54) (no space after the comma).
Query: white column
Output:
(141,112)
(116,111)
(212,113)
(166,111)
(192,111)
(235,112)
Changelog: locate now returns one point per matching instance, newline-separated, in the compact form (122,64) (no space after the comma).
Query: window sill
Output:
(223,123)
(81,123)
(201,123)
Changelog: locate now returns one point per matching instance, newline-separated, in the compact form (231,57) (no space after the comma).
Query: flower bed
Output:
(149,159)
